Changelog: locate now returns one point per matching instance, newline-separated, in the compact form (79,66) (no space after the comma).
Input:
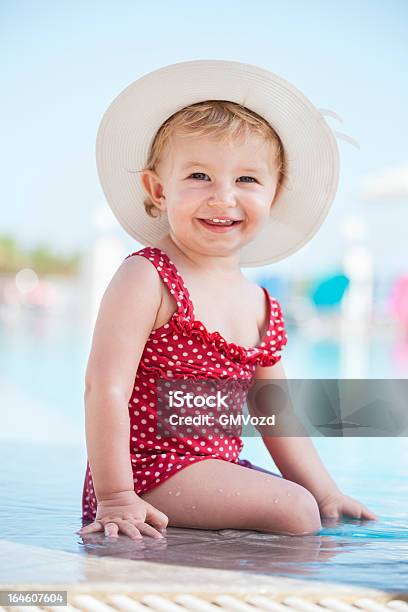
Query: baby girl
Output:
(236,168)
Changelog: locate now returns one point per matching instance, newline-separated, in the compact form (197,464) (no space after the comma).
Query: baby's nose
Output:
(226,199)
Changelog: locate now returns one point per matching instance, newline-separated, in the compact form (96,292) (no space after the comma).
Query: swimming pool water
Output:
(41,487)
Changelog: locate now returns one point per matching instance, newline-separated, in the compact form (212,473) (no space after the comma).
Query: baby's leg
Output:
(217,494)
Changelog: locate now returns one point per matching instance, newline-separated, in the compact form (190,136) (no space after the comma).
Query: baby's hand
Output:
(336,504)
(126,512)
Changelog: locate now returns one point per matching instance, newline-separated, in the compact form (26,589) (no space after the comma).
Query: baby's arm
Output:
(298,460)
(126,317)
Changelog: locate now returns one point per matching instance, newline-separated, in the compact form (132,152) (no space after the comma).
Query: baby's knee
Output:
(306,516)
(299,516)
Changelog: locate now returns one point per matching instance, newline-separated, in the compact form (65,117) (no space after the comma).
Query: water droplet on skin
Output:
(170,492)
(219,490)
(178,493)
(193,507)
(288,494)
(237,493)
(275,501)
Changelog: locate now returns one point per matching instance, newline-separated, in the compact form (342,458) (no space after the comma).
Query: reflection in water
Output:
(224,549)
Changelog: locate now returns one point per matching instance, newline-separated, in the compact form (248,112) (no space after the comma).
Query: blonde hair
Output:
(222,118)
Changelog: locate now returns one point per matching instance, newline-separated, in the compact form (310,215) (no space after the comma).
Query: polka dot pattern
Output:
(184,349)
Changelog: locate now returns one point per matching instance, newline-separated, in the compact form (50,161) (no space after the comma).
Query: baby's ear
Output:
(152,185)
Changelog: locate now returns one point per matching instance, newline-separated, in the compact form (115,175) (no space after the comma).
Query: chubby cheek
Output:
(180,214)
(188,199)
(255,218)
(257,212)
(184,206)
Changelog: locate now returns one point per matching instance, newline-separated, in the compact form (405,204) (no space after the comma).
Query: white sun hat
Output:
(131,121)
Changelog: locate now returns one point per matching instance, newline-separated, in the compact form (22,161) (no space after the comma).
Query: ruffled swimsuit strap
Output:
(170,275)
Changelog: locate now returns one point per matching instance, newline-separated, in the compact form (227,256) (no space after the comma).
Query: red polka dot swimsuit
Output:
(184,348)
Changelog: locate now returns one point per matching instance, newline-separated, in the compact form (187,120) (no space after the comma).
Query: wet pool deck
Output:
(172,581)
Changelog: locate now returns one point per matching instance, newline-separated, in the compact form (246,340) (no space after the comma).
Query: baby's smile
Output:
(218,226)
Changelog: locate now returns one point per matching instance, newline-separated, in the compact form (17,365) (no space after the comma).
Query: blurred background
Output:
(344,295)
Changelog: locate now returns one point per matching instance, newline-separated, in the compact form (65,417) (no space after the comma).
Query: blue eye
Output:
(195,174)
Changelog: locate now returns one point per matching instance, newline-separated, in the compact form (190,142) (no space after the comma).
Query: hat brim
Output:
(133,118)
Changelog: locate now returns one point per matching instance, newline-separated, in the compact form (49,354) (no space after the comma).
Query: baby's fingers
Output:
(355,509)
(111,529)
(131,530)
(156,518)
(367,514)
(95,526)
(150,531)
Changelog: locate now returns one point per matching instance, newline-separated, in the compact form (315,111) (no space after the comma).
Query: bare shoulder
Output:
(135,290)
(257,296)
(125,320)
(135,278)
(138,269)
